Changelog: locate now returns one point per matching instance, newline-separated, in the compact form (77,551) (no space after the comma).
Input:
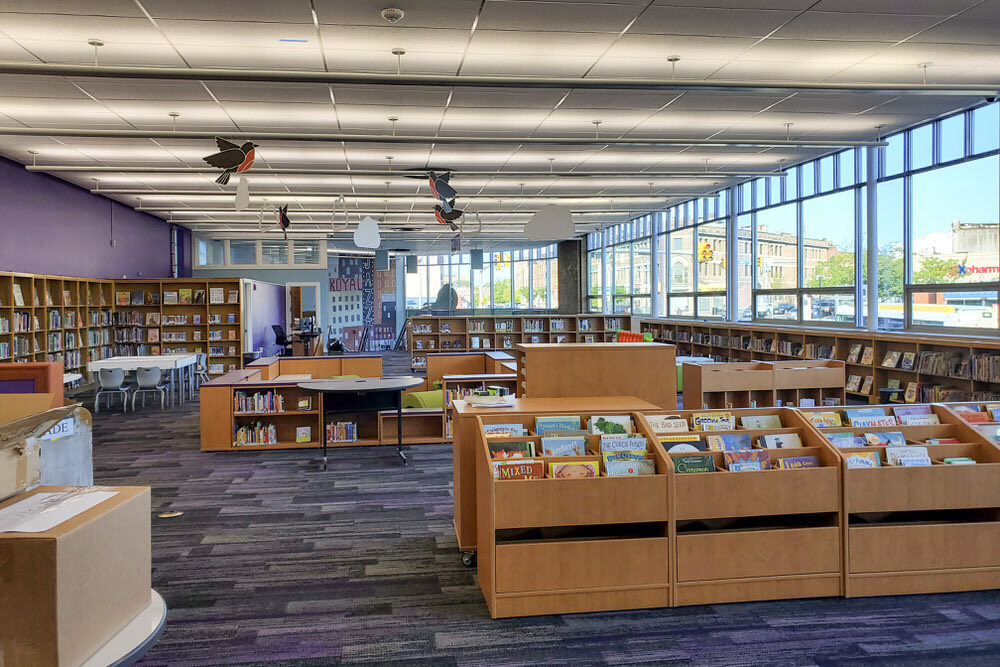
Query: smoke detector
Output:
(393,15)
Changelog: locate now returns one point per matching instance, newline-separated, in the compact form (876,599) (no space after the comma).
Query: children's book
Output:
(683,443)
(610,424)
(574,469)
(919,420)
(303,433)
(911,392)
(866,384)
(844,440)
(959,460)
(901,410)
(546,425)
(18,295)
(518,469)
(216,295)
(868,356)
(886,438)
(615,443)
(694,463)
(869,417)
(756,459)
(170,298)
(824,419)
(729,442)
(304,403)
(184,294)
(977,417)
(891,359)
(912,455)
(853,383)
(854,354)
(199,296)
(511,450)
(758,422)
(627,468)
(504,430)
(562,446)
(713,421)
(906,363)
(796,462)
(781,441)
(121,298)
(863,460)
(233,296)
(667,423)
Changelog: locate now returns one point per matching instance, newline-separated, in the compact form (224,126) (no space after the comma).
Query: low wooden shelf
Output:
(758,535)
(926,529)
(762,383)
(551,546)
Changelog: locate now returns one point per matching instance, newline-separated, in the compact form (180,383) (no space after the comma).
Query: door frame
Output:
(319,304)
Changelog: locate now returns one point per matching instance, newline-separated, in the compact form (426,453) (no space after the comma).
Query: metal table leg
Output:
(399,426)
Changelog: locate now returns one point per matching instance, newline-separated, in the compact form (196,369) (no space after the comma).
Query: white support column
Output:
(732,259)
(872,231)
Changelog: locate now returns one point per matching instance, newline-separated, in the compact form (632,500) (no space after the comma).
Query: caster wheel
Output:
(468,559)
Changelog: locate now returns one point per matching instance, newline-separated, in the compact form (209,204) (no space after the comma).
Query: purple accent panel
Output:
(267,308)
(25,386)
(184,249)
(49,226)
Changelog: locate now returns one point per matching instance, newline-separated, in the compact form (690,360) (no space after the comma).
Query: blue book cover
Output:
(559,446)
(546,425)
(855,413)
(735,442)
(886,439)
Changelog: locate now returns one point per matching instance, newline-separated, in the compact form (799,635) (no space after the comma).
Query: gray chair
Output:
(201,369)
(149,381)
(112,382)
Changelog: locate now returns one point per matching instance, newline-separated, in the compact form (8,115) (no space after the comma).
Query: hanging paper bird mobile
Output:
(231,158)
(283,221)
(448,217)
(442,190)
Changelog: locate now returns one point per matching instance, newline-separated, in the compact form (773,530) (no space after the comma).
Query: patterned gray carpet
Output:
(276,563)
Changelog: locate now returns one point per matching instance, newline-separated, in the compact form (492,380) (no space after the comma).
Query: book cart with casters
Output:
(755,535)
(923,529)
(553,546)
(465,446)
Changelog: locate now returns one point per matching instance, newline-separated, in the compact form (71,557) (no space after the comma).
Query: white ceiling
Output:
(882,41)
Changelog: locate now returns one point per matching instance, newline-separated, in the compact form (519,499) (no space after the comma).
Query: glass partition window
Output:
(274,252)
(211,252)
(243,252)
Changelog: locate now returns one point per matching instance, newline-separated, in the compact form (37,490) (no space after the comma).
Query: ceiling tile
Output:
(504,98)
(954,55)
(723,101)
(661,20)
(654,68)
(122,8)
(11,50)
(75,52)
(251,57)
(619,99)
(963,30)
(390,95)
(912,7)
(413,40)
(79,28)
(17,85)
(529,15)
(685,46)
(458,14)
(526,65)
(384,62)
(265,11)
(855,27)
(816,50)
(524,42)
(751,70)
(141,89)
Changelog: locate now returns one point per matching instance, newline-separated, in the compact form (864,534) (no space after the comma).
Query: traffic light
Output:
(705,251)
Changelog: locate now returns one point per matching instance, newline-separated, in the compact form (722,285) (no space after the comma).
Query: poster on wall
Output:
(360,297)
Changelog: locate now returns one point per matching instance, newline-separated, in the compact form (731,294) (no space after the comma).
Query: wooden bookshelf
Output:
(460,333)
(759,535)
(926,529)
(989,429)
(464,429)
(943,381)
(745,384)
(56,318)
(644,370)
(459,387)
(553,546)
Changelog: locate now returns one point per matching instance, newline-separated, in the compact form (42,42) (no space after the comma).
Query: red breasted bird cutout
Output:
(283,221)
(231,158)
(442,190)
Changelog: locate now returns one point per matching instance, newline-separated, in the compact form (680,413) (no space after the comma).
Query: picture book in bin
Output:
(796,462)
(734,442)
(843,440)
(667,423)
(610,424)
(863,460)
(906,456)
(683,443)
(564,446)
(518,469)
(573,470)
(713,421)
(547,425)
(503,430)
(760,422)
(781,441)
(869,417)
(512,450)
(627,468)
(694,463)
(756,459)
(824,419)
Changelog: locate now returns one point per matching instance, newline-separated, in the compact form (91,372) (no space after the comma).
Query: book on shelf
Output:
(184,296)
(518,469)
(728,442)
(959,460)
(885,439)
(868,355)
(781,441)
(614,442)
(303,433)
(170,298)
(18,296)
(573,470)
(304,403)
(522,449)
(564,446)
(853,383)
(667,423)
(869,417)
(256,434)
(759,422)
(153,335)
(977,417)
(796,462)
(904,410)
(694,463)
(342,432)
(504,430)
(910,455)
(630,468)
(941,441)
(919,420)
(910,396)
(713,421)
(824,419)
(121,298)
(741,461)
(863,460)
(67,298)
(199,297)
(682,443)
(891,359)
(621,424)
(866,385)
(907,361)
(233,296)
(894,383)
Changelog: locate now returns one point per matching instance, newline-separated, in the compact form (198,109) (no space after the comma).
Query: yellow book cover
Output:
(911,392)
(573,469)
(824,419)
(687,437)
(713,421)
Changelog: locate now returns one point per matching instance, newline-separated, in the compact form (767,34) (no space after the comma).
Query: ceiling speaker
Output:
(381,260)
(411,263)
(476,259)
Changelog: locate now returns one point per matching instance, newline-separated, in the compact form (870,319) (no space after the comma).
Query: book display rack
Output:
(751,534)
(982,416)
(504,332)
(763,383)
(932,367)
(563,545)
(52,318)
(181,315)
(460,387)
(914,523)
(643,370)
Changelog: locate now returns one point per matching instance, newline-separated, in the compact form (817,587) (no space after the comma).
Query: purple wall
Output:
(53,227)
(267,307)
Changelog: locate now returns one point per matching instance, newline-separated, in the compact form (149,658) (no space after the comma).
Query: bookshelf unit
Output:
(977,379)
(922,529)
(644,370)
(749,384)
(54,318)
(553,546)
(459,387)
(429,334)
(756,535)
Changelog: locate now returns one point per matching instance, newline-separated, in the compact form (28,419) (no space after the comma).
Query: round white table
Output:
(135,638)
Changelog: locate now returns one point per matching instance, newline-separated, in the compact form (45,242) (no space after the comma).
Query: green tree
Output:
(934,271)
(838,270)
(501,291)
(834,271)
